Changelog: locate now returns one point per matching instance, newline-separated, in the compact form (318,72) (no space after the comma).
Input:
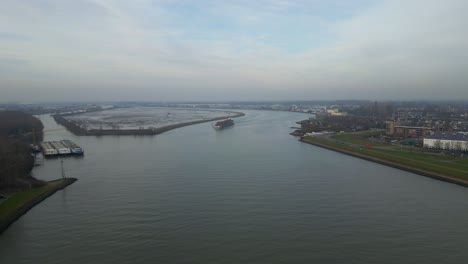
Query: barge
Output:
(48,150)
(62,150)
(63,147)
(223,124)
(74,148)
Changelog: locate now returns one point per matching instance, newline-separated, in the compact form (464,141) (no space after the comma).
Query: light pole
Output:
(63,170)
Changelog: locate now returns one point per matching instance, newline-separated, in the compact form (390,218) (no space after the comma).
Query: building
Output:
(336,112)
(390,127)
(450,141)
(411,131)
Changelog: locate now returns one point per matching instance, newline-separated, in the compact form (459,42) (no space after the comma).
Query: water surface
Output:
(247,194)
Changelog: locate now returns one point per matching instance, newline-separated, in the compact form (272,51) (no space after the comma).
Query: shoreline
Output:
(15,211)
(79,131)
(433,175)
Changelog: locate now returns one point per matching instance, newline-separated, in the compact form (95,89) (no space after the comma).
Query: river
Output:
(246,194)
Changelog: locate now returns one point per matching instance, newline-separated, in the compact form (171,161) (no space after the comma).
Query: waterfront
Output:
(247,194)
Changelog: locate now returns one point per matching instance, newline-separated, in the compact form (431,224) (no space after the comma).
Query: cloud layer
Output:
(233,50)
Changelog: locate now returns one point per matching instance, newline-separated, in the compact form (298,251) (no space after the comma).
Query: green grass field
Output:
(360,138)
(411,157)
(21,198)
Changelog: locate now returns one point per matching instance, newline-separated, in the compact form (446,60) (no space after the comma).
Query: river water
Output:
(247,194)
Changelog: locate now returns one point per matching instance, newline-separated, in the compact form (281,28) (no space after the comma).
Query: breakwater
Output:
(80,131)
(421,172)
(23,206)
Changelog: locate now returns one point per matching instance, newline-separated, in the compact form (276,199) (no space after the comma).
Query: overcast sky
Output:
(233,50)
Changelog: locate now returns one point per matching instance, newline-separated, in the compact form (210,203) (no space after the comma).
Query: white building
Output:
(451,141)
(336,112)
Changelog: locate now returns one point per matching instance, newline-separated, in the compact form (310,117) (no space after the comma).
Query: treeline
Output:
(342,123)
(375,109)
(17,130)
(16,124)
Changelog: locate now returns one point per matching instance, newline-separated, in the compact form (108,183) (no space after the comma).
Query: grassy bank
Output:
(438,166)
(21,202)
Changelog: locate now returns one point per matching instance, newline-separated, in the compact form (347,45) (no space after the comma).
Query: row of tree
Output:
(17,130)
(453,145)
(375,109)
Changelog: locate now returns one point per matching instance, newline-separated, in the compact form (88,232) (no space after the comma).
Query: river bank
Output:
(80,131)
(21,202)
(367,155)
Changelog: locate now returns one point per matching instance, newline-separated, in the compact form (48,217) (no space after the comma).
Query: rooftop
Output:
(412,127)
(449,136)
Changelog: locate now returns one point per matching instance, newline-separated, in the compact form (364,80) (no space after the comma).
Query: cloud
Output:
(210,50)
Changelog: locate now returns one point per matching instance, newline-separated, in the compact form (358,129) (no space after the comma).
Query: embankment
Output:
(434,175)
(20,203)
(78,130)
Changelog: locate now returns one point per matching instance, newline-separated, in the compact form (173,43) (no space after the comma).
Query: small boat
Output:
(35,148)
(223,124)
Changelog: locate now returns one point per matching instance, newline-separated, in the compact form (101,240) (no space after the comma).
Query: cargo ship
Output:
(61,149)
(74,148)
(48,150)
(223,124)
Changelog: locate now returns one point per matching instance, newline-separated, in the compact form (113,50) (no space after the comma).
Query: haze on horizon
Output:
(233,50)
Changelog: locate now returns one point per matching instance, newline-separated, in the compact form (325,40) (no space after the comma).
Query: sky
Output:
(196,50)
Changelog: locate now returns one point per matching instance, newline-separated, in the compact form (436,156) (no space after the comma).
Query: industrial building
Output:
(406,131)
(336,112)
(448,141)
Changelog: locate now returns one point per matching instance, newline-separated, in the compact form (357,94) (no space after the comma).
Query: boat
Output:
(61,149)
(223,124)
(48,149)
(74,148)
(35,148)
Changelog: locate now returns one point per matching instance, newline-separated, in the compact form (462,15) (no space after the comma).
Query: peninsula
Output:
(135,123)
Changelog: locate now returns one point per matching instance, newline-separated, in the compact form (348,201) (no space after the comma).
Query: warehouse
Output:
(449,141)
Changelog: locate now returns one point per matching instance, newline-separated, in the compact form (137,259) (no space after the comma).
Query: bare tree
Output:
(447,145)
(458,145)
(17,130)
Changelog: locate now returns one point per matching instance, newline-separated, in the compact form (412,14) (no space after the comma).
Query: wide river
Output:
(247,194)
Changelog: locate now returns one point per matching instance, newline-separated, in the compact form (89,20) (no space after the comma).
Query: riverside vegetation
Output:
(19,191)
(443,167)
(17,131)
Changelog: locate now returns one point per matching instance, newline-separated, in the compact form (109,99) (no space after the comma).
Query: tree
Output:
(458,145)
(438,144)
(17,129)
(447,145)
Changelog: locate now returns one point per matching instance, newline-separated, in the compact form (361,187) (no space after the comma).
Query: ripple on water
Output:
(249,194)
